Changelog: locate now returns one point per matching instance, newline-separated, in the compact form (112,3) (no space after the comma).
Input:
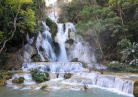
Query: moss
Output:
(52,25)
(43,87)
(21,79)
(136,84)
(135,91)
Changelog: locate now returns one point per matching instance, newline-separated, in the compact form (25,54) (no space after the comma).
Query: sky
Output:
(48,2)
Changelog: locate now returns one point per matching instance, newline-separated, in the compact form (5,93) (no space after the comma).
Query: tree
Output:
(16,17)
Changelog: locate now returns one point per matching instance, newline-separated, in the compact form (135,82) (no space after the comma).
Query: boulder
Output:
(21,79)
(75,60)
(14,61)
(16,80)
(67,75)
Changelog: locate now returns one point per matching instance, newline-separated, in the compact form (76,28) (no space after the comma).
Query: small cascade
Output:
(28,80)
(106,81)
(56,67)
(81,50)
(28,49)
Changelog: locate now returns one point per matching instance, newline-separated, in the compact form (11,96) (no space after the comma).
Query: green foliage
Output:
(131,52)
(29,17)
(114,21)
(52,25)
(21,79)
(115,65)
(11,72)
(39,76)
(1,76)
(132,69)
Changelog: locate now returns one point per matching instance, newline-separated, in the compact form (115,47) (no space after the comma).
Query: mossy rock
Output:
(136,84)
(52,25)
(21,79)
(43,87)
(135,91)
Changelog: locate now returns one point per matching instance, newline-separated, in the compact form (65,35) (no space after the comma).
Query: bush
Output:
(39,76)
(131,69)
(115,65)
(21,79)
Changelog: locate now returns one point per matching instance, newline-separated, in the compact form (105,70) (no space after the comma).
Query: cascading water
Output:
(45,43)
(61,38)
(68,51)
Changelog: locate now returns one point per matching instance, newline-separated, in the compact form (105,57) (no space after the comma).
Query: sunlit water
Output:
(94,92)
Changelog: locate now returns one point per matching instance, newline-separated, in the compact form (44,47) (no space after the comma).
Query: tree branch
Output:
(14,25)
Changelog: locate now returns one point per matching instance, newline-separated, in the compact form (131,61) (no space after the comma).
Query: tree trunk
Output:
(99,45)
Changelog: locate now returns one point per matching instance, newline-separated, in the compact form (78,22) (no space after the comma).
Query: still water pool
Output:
(94,92)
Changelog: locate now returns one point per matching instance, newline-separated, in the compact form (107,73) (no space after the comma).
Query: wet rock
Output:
(75,60)
(21,79)
(68,75)
(16,80)
(135,92)
(85,87)
(29,52)
(14,61)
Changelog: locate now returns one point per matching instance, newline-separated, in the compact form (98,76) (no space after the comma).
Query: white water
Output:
(57,67)
(45,42)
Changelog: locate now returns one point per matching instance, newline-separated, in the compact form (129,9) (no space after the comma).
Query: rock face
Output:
(135,92)
(14,61)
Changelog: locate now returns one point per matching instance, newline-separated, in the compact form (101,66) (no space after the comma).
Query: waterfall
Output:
(61,38)
(44,45)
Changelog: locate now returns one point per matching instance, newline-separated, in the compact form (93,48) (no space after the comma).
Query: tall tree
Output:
(18,17)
